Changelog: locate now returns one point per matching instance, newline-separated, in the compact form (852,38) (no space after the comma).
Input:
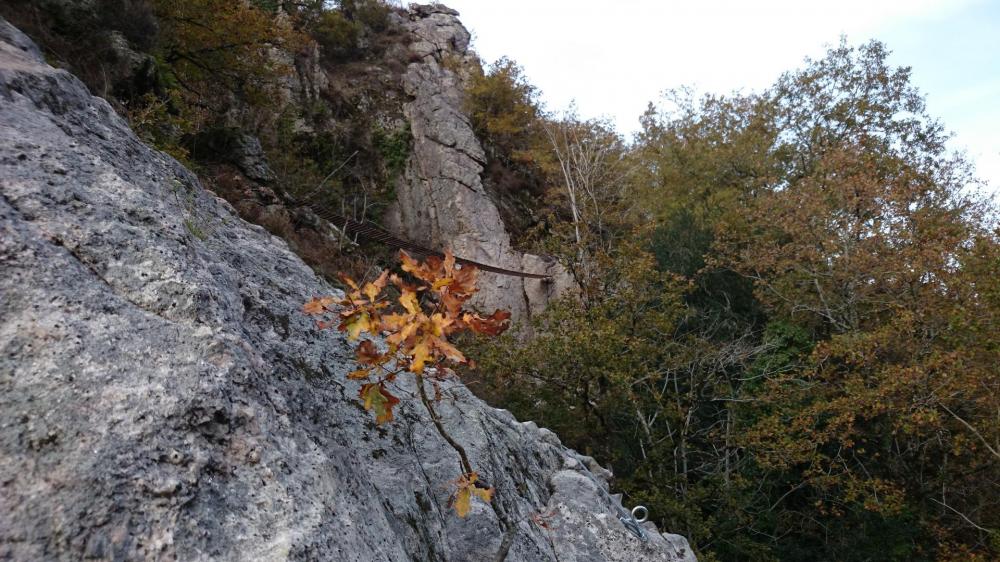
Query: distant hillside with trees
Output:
(786,340)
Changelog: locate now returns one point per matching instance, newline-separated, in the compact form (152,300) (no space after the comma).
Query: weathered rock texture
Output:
(163,398)
(441,198)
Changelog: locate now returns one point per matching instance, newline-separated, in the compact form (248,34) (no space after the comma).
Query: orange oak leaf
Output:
(368,354)
(448,350)
(492,325)
(378,399)
(347,281)
(318,305)
(409,301)
(466,487)
(420,353)
(373,289)
(356,323)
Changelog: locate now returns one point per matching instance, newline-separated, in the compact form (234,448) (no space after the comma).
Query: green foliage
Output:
(504,110)
(339,31)
(270,6)
(680,243)
(214,53)
(372,14)
(87,38)
(195,230)
(786,348)
(337,34)
(813,374)
(573,375)
(156,122)
(726,305)
(393,148)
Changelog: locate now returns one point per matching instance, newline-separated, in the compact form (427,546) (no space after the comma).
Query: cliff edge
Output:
(163,397)
(441,199)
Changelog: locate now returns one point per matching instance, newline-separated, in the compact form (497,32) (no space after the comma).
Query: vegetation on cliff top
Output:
(197,78)
(785,336)
(784,343)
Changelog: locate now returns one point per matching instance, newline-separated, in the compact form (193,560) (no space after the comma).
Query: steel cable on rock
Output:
(369,231)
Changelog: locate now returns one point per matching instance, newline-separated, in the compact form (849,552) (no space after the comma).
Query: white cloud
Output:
(615,57)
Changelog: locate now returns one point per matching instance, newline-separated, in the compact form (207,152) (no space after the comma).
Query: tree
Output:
(506,116)
(215,52)
(416,340)
(864,239)
(505,111)
(590,157)
(795,361)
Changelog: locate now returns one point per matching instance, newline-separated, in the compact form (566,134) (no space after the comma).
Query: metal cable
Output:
(373,233)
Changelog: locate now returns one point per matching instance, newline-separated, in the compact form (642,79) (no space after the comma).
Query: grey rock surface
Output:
(248,155)
(441,201)
(162,397)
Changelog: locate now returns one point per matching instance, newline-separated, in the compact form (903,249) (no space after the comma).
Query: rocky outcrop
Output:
(441,198)
(162,397)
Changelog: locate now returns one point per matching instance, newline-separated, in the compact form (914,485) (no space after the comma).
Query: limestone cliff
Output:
(163,398)
(441,198)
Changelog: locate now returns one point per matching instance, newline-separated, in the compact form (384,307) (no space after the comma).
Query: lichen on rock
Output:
(163,397)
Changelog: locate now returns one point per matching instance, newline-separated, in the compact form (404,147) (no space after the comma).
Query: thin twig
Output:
(973,430)
(962,515)
(466,465)
(308,196)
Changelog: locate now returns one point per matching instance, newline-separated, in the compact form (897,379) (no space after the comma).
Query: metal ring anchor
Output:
(641,509)
(633,524)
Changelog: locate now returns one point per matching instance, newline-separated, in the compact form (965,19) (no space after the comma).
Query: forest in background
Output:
(785,339)
(785,343)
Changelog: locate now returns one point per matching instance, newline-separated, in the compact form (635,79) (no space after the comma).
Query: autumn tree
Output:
(588,175)
(429,312)
(863,239)
(218,57)
(794,358)
(505,111)
(506,115)
(565,173)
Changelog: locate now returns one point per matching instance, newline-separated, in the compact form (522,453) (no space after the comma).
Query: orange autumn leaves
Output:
(416,337)
(416,330)
(467,486)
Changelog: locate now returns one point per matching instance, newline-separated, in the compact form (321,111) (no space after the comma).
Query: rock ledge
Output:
(162,397)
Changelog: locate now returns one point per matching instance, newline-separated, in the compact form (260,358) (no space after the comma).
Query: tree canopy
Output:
(791,352)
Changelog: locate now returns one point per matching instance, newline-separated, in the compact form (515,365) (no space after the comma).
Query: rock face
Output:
(441,198)
(163,397)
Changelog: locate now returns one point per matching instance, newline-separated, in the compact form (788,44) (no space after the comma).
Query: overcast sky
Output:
(613,57)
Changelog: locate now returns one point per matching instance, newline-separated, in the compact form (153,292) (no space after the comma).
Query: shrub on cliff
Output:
(507,118)
(430,311)
(340,31)
(505,111)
